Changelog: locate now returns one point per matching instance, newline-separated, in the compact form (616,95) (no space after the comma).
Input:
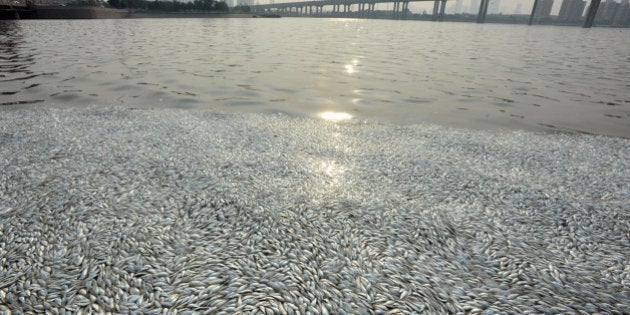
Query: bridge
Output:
(366,8)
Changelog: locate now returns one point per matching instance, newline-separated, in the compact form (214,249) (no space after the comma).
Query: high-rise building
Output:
(474,7)
(623,14)
(494,7)
(543,9)
(572,10)
(519,8)
(245,2)
(601,9)
(607,11)
(458,6)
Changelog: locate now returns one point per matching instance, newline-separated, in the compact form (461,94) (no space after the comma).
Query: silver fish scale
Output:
(190,212)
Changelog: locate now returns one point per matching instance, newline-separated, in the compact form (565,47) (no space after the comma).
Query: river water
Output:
(458,74)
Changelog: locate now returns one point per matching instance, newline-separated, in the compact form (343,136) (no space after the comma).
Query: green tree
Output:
(116,3)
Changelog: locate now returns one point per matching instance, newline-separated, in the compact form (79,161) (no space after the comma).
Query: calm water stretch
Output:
(458,74)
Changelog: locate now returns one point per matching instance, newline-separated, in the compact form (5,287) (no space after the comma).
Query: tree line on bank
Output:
(170,6)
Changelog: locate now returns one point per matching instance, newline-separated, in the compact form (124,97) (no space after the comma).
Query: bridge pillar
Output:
(436,10)
(483,9)
(394,10)
(592,12)
(442,9)
(405,9)
(531,16)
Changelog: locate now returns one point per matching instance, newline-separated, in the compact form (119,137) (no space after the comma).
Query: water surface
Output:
(459,74)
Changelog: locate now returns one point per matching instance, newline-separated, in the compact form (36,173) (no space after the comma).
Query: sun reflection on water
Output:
(350,68)
(335,116)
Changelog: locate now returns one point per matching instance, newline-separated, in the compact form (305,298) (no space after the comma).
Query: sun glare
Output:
(349,69)
(335,116)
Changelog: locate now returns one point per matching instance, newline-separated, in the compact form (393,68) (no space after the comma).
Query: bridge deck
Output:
(329,2)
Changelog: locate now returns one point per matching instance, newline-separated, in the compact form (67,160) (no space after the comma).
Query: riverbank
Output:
(162,15)
(118,210)
(65,12)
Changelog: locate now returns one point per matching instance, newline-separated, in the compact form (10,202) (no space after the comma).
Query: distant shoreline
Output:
(65,12)
(150,15)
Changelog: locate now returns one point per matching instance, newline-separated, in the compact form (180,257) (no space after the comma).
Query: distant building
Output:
(474,7)
(519,8)
(607,11)
(572,10)
(245,2)
(623,14)
(543,9)
(494,7)
(458,6)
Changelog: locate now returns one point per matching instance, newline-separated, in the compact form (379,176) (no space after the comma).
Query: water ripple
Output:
(480,76)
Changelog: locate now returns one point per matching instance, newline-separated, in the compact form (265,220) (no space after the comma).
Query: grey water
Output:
(483,76)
